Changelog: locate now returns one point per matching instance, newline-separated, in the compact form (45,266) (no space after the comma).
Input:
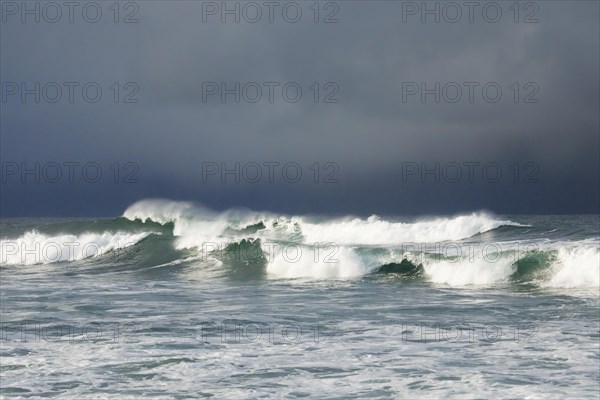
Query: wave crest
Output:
(36,248)
(194,224)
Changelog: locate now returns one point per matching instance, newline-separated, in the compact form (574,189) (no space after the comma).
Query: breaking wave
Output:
(260,245)
(194,225)
(37,248)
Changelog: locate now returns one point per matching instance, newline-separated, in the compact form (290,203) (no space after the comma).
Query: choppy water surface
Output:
(173,301)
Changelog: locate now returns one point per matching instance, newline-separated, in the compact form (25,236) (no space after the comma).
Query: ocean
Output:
(171,300)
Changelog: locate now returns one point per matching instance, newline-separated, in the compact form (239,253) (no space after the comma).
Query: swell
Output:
(574,265)
(194,225)
(37,248)
(244,244)
(565,265)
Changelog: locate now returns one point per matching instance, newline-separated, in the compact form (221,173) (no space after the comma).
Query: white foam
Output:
(197,233)
(163,211)
(375,231)
(303,262)
(195,224)
(464,272)
(576,267)
(36,248)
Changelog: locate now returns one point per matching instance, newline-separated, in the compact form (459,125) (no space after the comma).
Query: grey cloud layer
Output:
(369,133)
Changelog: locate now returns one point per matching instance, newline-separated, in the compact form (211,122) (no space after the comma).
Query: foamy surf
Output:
(363,246)
(37,248)
(252,285)
(576,267)
(194,224)
(376,231)
(313,263)
(277,246)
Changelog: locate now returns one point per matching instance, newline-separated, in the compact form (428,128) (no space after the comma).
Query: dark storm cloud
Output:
(370,133)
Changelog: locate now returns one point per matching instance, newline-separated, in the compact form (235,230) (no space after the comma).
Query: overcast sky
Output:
(370,131)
